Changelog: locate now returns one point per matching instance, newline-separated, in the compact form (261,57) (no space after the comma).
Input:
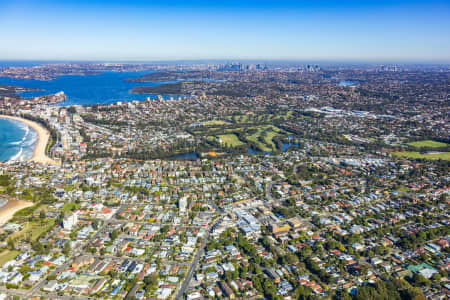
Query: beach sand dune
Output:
(39,155)
(8,210)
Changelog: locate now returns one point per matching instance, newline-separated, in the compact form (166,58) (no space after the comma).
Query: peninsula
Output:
(6,90)
(166,89)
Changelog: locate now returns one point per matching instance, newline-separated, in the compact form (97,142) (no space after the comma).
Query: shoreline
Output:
(43,136)
(13,205)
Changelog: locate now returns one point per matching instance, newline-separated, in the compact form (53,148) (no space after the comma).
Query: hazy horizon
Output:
(234,60)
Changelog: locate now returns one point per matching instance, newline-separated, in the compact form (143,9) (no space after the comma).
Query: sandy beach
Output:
(8,210)
(42,140)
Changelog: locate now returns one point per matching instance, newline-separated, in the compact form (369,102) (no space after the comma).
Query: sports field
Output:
(427,143)
(417,155)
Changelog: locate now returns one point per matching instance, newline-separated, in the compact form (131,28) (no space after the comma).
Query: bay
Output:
(105,88)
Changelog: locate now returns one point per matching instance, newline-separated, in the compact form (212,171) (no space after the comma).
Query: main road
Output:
(194,263)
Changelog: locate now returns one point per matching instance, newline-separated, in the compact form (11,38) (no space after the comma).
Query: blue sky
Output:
(171,30)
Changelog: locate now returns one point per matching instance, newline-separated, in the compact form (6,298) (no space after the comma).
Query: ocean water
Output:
(17,140)
(19,63)
(106,88)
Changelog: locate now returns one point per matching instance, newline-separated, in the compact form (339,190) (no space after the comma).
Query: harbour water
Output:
(105,88)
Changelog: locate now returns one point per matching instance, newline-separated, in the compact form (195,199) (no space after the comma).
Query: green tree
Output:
(66,248)
(419,280)
(436,277)
(114,234)
(11,245)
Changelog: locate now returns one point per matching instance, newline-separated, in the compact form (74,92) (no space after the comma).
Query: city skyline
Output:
(404,31)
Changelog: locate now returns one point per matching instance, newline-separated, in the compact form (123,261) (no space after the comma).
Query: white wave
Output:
(22,126)
(26,144)
(31,140)
(3,202)
(27,131)
(17,156)
(27,153)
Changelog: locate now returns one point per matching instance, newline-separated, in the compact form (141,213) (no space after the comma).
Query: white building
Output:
(182,204)
(70,221)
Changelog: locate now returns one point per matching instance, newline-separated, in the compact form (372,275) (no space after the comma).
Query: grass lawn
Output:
(34,229)
(402,189)
(25,212)
(271,131)
(238,118)
(427,143)
(276,129)
(215,122)
(254,138)
(230,139)
(258,118)
(67,207)
(38,228)
(287,115)
(7,255)
(85,279)
(430,156)
(268,138)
